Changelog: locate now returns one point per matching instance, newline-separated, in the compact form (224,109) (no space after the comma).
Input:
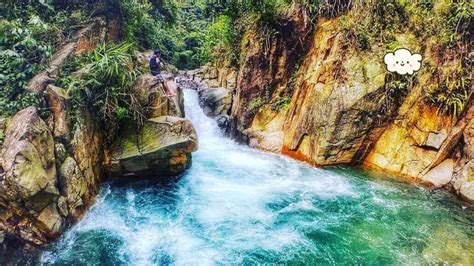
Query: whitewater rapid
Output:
(239,205)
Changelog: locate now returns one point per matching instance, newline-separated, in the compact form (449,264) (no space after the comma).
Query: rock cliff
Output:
(313,94)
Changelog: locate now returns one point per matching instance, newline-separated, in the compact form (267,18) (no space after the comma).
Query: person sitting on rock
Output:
(156,64)
(155,68)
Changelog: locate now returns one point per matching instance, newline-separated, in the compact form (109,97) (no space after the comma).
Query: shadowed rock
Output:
(215,101)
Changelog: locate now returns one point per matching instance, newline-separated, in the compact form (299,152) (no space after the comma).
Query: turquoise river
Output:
(237,205)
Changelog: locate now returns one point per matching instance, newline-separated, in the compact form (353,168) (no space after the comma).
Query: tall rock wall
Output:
(266,68)
(344,107)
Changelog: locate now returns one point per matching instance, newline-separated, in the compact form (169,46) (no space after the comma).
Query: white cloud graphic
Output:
(403,62)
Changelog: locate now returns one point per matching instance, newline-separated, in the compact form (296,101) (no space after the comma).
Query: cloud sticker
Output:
(403,62)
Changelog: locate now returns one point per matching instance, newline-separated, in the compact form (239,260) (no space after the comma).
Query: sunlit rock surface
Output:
(161,148)
(29,186)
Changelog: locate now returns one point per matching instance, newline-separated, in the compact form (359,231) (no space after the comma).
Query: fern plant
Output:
(105,88)
(452,93)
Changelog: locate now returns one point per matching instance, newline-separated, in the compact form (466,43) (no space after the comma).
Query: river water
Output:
(240,205)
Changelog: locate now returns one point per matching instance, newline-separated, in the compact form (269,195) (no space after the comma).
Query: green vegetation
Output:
(29,33)
(256,103)
(24,48)
(450,21)
(449,27)
(283,101)
(185,31)
(450,94)
(191,33)
(105,87)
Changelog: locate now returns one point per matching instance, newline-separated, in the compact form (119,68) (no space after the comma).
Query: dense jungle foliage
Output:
(190,33)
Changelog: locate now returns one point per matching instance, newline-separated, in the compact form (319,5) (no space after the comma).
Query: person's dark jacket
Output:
(155,65)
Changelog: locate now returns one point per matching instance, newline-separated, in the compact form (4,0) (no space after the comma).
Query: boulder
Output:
(441,175)
(161,148)
(151,95)
(88,152)
(28,182)
(212,83)
(215,102)
(28,161)
(211,73)
(223,121)
(231,80)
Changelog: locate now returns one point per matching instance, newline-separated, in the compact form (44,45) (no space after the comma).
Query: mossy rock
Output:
(161,148)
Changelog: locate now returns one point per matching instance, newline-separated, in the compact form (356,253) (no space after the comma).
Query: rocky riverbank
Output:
(51,166)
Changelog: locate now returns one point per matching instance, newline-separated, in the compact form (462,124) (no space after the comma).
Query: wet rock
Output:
(62,206)
(73,186)
(161,148)
(88,152)
(51,220)
(215,101)
(60,152)
(223,121)
(441,175)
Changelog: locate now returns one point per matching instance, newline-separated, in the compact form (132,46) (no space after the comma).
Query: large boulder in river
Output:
(161,148)
(151,95)
(215,101)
